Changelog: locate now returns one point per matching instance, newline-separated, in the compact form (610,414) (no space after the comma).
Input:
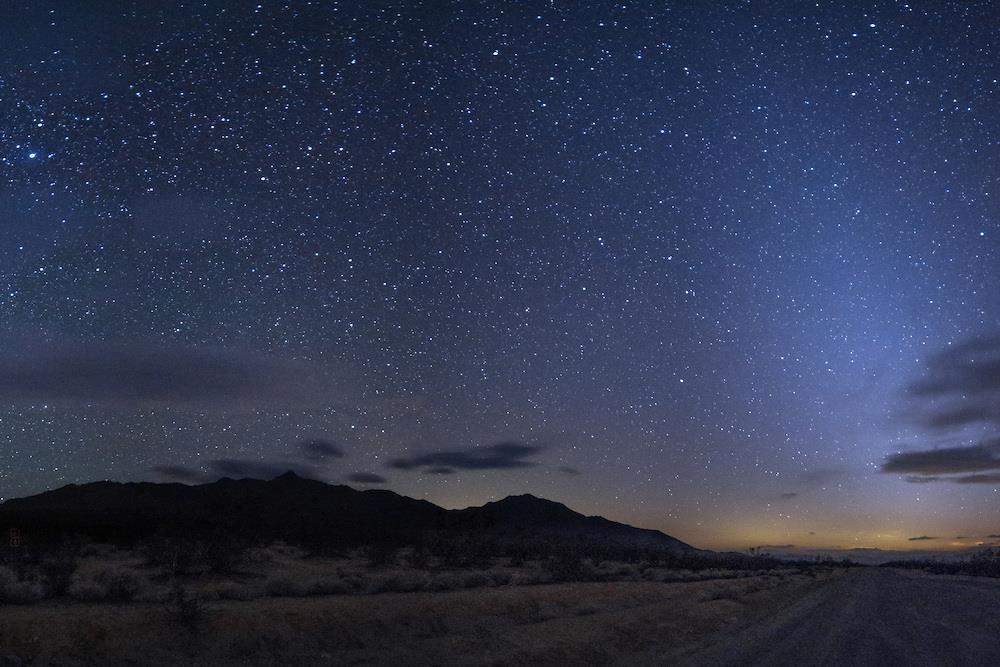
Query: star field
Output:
(687,257)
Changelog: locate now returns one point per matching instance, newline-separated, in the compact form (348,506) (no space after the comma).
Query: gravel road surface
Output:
(871,616)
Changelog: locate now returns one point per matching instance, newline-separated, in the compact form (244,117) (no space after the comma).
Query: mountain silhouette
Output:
(529,516)
(303,511)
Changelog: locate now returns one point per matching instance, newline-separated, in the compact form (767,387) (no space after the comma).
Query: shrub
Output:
(282,586)
(330,586)
(110,583)
(500,578)
(532,578)
(399,582)
(718,594)
(451,581)
(420,558)
(14,591)
(58,573)
(224,556)
(381,554)
(188,608)
(121,583)
(174,556)
(227,590)
(567,566)
(87,590)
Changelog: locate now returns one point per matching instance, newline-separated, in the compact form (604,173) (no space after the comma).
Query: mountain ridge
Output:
(298,509)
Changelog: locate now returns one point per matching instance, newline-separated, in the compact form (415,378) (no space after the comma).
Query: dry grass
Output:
(290,609)
(281,605)
(106,574)
(14,590)
(593,623)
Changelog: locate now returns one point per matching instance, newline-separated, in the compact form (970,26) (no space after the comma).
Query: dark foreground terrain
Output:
(293,571)
(861,616)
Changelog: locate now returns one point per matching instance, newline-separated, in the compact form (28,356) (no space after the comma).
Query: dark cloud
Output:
(440,470)
(946,460)
(970,367)
(139,374)
(961,416)
(367,478)
(993,478)
(993,537)
(179,473)
(248,468)
(568,470)
(963,383)
(787,496)
(921,479)
(501,456)
(235,468)
(961,387)
(921,538)
(319,450)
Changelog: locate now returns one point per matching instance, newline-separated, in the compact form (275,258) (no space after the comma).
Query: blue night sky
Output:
(727,270)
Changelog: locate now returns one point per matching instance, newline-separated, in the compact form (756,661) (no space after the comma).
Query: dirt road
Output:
(870,617)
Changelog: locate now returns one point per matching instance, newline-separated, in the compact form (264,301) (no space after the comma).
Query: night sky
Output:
(727,270)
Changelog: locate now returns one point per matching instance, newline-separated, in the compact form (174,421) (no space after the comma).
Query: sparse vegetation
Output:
(106,583)
(58,571)
(188,608)
(227,590)
(235,571)
(284,586)
(985,563)
(208,614)
(13,590)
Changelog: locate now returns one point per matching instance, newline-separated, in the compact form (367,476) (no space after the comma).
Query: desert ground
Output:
(302,611)
(578,623)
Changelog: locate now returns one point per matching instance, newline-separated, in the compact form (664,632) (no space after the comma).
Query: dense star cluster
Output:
(679,264)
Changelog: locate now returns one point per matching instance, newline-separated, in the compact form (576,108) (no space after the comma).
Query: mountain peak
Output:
(298,509)
(522,496)
(528,508)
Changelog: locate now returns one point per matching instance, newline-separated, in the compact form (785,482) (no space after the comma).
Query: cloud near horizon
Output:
(921,538)
(946,460)
(774,546)
(500,456)
(179,473)
(971,464)
(249,469)
(960,389)
(367,478)
(236,469)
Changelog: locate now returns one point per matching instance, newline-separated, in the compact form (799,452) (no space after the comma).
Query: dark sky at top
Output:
(728,270)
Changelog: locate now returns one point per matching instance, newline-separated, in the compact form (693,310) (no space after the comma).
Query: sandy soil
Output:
(593,623)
